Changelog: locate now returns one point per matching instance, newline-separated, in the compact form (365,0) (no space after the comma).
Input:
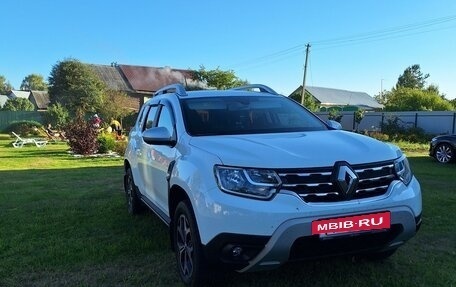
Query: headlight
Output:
(403,171)
(256,183)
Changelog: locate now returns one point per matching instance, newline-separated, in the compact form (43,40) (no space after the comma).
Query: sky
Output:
(359,45)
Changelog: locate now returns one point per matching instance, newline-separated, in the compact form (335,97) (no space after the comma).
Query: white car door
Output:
(142,152)
(159,159)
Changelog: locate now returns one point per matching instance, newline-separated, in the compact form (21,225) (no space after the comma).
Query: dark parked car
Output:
(443,148)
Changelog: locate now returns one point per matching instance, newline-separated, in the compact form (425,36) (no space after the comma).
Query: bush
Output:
(120,147)
(106,142)
(379,136)
(398,130)
(25,128)
(81,136)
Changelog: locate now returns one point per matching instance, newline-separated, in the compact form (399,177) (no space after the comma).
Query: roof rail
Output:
(262,88)
(174,88)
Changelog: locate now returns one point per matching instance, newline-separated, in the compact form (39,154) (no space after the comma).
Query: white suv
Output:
(249,179)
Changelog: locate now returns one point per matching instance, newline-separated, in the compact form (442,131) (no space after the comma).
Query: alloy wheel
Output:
(184,246)
(444,153)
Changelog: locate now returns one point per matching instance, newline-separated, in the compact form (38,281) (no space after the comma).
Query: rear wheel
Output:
(444,153)
(191,262)
(134,204)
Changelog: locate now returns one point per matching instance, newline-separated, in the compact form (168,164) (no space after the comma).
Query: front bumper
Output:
(245,245)
(291,241)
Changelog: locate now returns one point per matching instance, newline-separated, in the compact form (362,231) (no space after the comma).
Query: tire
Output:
(134,204)
(444,153)
(191,263)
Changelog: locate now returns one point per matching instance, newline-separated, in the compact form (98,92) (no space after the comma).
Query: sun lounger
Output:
(20,142)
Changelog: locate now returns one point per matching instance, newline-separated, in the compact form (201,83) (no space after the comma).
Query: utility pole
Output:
(304,77)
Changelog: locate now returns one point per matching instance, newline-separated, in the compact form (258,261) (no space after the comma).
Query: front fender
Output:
(194,174)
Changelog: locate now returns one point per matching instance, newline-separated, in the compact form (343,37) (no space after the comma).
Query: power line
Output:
(387,31)
(390,37)
(362,38)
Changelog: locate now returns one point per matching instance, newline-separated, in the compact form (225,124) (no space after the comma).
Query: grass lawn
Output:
(63,222)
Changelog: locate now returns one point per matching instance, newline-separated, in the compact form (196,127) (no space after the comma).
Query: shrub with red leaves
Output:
(81,136)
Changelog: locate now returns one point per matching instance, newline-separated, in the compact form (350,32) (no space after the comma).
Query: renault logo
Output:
(344,179)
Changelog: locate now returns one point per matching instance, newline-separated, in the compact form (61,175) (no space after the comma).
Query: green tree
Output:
(115,105)
(218,79)
(412,77)
(359,116)
(33,82)
(408,99)
(5,86)
(309,100)
(382,97)
(335,115)
(76,87)
(453,102)
(56,115)
(18,104)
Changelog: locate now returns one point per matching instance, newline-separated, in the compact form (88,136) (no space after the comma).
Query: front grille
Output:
(316,185)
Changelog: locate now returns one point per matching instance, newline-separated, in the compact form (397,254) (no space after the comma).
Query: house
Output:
(3,99)
(140,82)
(343,99)
(114,80)
(19,94)
(40,99)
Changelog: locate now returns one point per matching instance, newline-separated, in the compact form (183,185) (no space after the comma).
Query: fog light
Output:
(236,251)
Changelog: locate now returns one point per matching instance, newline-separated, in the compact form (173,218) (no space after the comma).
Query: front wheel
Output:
(444,153)
(191,262)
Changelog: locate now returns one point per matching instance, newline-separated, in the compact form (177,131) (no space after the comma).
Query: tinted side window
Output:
(150,118)
(142,113)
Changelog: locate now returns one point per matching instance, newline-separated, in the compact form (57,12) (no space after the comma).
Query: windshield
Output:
(246,115)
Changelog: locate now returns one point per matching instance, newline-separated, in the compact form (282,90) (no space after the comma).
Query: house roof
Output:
(40,99)
(336,97)
(112,77)
(3,99)
(19,94)
(151,79)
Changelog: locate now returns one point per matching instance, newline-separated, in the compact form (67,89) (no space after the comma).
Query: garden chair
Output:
(53,136)
(20,142)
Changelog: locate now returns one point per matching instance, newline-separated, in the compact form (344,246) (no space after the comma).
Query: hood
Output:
(296,150)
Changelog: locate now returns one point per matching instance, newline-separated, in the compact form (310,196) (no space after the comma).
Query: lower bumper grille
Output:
(312,247)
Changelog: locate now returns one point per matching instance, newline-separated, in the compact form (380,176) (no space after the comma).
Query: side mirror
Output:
(334,125)
(159,136)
